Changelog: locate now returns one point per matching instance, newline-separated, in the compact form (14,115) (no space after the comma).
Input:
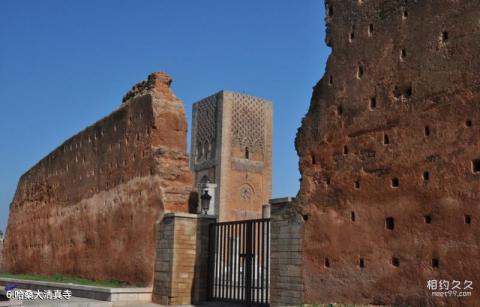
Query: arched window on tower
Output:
(247,153)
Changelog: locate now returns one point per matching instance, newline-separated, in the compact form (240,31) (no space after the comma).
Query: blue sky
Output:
(66,64)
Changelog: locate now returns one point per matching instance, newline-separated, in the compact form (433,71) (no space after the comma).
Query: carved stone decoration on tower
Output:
(232,147)
(248,124)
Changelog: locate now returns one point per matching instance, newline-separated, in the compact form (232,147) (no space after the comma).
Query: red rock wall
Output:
(398,105)
(89,208)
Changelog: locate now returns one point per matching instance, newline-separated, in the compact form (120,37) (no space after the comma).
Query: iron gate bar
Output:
(267,264)
(257,252)
(244,263)
(263,263)
(248,268)
(230,288)
(239,262)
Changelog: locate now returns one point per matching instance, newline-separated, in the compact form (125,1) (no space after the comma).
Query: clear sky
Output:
(66,64)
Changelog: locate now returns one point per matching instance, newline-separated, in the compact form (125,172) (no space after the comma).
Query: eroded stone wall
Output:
(388,155)
(89,208)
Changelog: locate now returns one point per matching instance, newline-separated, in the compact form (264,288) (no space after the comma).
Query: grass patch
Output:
(67,280)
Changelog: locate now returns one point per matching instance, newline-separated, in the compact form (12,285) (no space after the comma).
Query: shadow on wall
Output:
(193,202)
(199,291)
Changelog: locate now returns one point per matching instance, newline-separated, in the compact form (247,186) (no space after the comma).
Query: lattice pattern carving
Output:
(206,128)
(248,122)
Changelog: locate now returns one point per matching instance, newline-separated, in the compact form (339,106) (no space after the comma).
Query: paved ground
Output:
(72,302)
(80,302)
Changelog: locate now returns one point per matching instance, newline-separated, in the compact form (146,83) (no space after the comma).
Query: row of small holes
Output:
(395,262)
(369,32)
(386,138)
(396,182)
(390,221)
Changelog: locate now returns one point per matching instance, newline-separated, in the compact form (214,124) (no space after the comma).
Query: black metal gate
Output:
(239,262)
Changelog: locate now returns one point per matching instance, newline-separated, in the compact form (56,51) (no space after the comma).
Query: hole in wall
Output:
(247,154)
(389,223)
(373,103)
(444,37)
(468,123)
(386,139)
(361,263)
(327,263)
(467,219)
(370,29)
(403,54)
(407,93)
(312,157)
(426,131)
(357,185)
(435,262)
(352,216)
(476,166)
(351,37)
(405,14)
(345,150)
(339,110)
(330,10)
(427,218)
(330,80)
(395,182)
(360,72)
(395,261)
(305,217)
(327,180)
(426,176)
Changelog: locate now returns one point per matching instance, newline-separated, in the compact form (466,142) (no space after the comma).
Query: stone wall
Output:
(389,154)
(89,208)
(286,256)
(181,266)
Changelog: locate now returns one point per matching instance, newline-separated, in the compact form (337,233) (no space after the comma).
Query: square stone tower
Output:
(231,153)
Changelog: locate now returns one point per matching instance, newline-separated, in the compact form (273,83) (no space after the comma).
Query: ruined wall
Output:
(388,154)
(89,208)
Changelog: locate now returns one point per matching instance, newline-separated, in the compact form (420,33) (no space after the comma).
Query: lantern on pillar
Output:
(205,201)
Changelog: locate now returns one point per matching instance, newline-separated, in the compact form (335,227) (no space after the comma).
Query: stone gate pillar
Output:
(286,270)
(181,264)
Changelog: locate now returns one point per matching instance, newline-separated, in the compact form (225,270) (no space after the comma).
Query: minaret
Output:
(231,153)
